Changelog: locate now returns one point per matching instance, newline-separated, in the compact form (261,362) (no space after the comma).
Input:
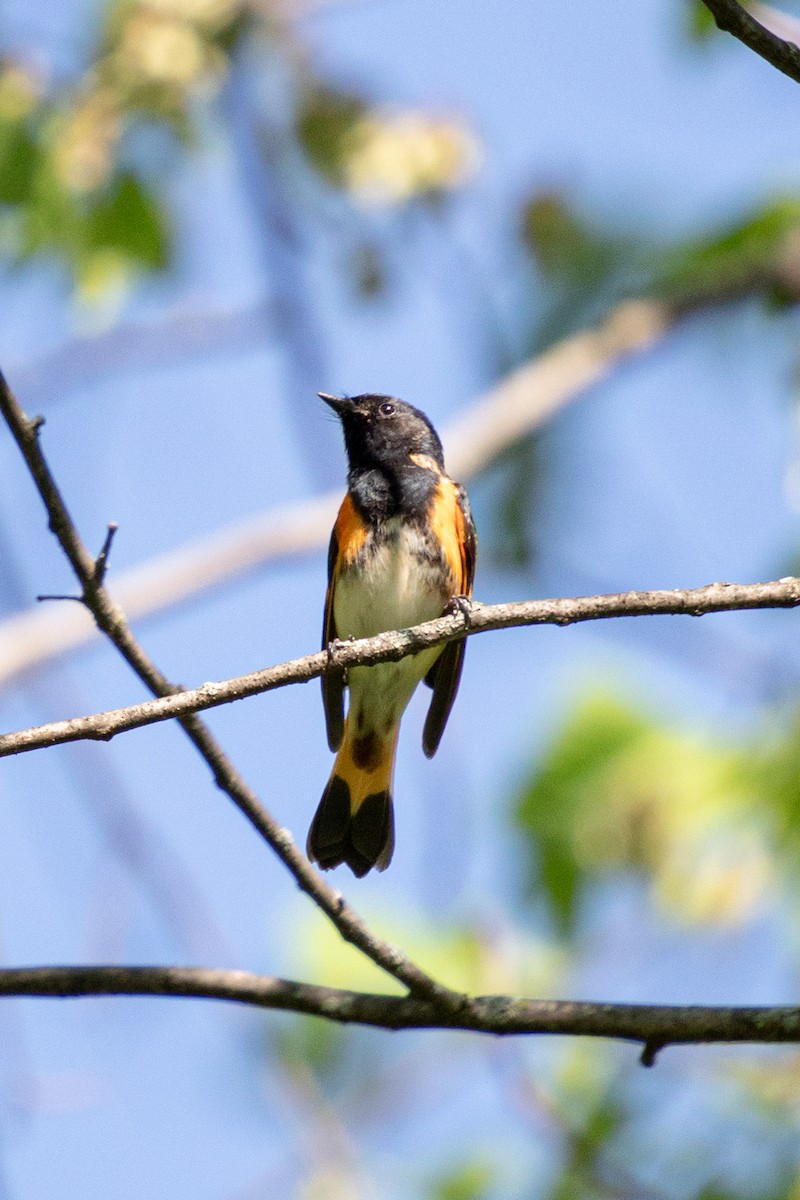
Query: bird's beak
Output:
(339,404)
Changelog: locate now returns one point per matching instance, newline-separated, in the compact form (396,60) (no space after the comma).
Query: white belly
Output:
(396,587)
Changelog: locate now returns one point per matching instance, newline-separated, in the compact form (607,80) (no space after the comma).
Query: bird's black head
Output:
(383,432)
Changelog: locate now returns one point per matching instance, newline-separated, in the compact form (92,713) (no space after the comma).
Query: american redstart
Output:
(403,547)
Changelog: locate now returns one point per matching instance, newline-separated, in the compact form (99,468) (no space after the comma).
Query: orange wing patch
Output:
(449,525)
(350,533)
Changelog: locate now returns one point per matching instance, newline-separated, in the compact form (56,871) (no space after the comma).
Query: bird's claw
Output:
(460,604)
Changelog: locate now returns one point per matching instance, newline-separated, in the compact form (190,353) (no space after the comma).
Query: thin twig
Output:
(111,620)
(101,562)
(733,18)
(652,1025)
(390,647)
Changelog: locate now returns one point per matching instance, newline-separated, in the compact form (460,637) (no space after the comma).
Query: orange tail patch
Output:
(354,823)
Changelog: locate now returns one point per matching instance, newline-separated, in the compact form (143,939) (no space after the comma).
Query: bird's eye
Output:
(387,409)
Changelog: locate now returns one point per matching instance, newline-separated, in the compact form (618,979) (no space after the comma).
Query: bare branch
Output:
(733,18)
(390,647)
(110,618)
(654,1026)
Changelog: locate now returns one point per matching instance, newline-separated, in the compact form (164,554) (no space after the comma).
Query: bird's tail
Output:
(354,823)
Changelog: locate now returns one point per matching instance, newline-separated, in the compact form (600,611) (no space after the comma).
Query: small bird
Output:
(403,547)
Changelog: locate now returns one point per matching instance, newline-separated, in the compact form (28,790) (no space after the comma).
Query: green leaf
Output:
(618,792)
(551,805)
(724,259)
(19,159)
(324,123)
(53,221)
(129,220)
(565,245)
(773,774)
(471,1180)
(701,25)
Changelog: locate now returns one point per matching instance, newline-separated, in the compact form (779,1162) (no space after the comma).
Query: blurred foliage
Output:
(579,1176)
(567,247)
(73,187)
(743,256)
(772,769)
(713,830)
(698,821)
(587,262)
(774,1090)
(391,158)
(70,187)
(475,959)
(367,270)
(325,122)
(339,1058)
(700,23)
(471,1180)
(610,1146)
(513,484)
(383,157)
(584,266)
(306,1044)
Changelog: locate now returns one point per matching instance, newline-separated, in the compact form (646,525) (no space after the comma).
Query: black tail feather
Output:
(363,840)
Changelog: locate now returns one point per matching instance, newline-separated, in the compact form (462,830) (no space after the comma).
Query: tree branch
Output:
(733,18)
(653,1026)
(390,647)
(111,620)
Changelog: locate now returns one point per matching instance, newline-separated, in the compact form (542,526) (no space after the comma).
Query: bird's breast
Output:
(398,578)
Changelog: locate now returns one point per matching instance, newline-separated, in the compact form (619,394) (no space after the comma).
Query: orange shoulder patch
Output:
(350,533)
(449,526)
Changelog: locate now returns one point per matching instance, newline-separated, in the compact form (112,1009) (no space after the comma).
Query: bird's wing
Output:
(348,538)
(460,548)
(332,681)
